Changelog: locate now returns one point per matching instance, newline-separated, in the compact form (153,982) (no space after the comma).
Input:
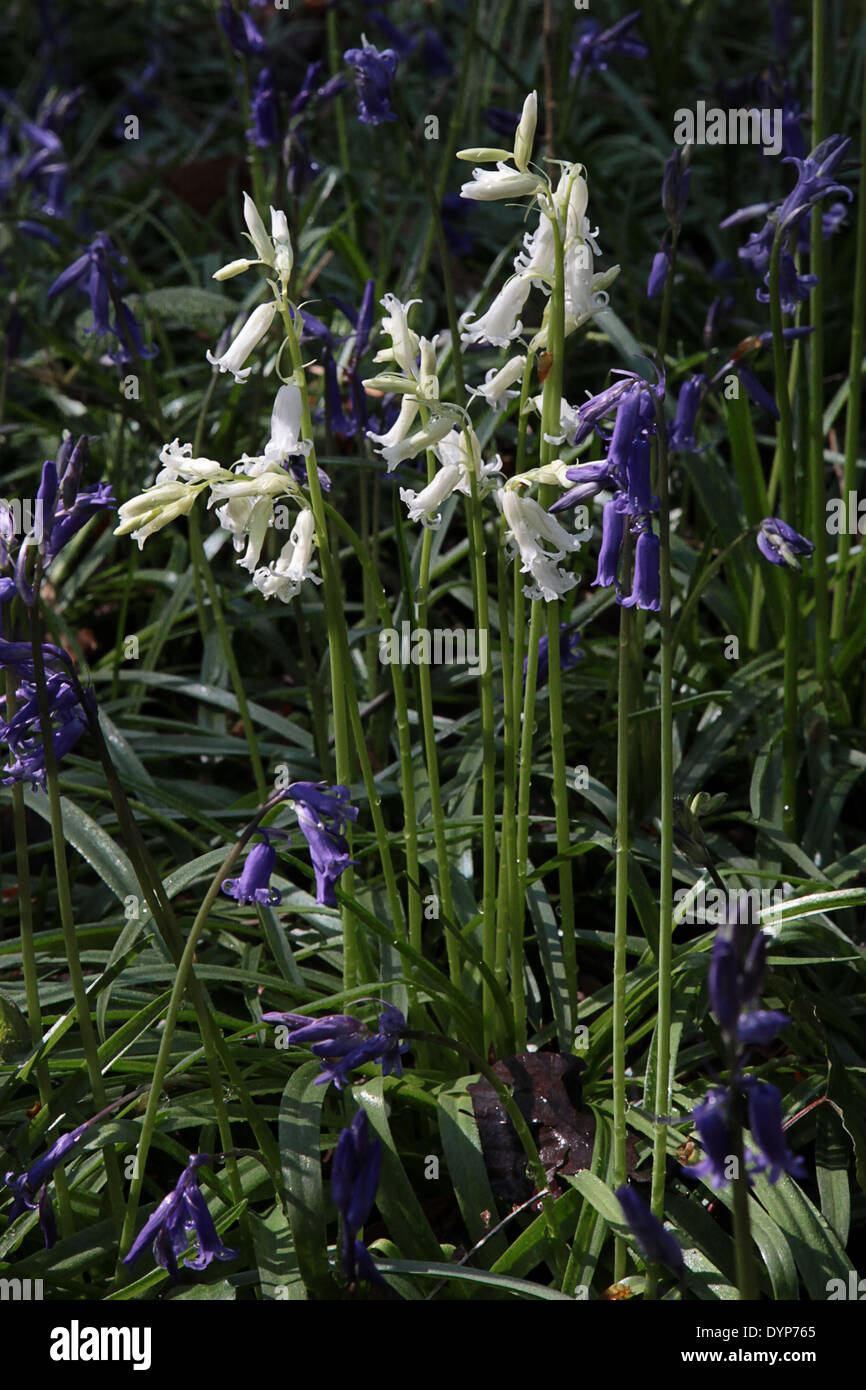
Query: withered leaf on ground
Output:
(547,1092)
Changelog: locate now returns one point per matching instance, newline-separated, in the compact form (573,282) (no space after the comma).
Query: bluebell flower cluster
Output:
(816,180)
(32,157)
(62,508)
(323,814)
(21,731)
(182,1216)
(354,1180)
(373,71)
(343,1043)
(625,473)
(94,272)
(736,977)
(596,46)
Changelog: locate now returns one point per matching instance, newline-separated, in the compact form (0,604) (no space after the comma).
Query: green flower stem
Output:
(667,299)
(490,949)
(342,679)
(524,784)
(817,487)
(404,735)
(853,411)
(437,810)
(789,514)
(335,64)
(181,981)
(524,1134)
(621,911)
(28,961)
(202,566)
(64,903)
(666,793)
(517,903)
(504,903)
(744,1250)
(551,397)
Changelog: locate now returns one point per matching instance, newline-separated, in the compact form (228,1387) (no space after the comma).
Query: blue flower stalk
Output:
(354,1180)
(735,980)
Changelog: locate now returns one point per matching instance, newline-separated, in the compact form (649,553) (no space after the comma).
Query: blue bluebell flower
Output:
(645,583)
(781,544)
(772,1156)
(676,183)
(254,884)
(713,1126)
(22,731)
(241,31)
(815,180)
(93,272)
(344,1043)
(595,46)
(322,817)
(373,72)
(658,271)
(354,1180)
(590,479)
(182,1216)
(31,1187)
(612,533)
(264,131)
(682,431)
(793,287)
(657,1245)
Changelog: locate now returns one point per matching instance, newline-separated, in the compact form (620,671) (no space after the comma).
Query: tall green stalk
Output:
(789,514)
(64,903)
(666,749)
(551,398)
(621,912)
(816,374)
(854,408)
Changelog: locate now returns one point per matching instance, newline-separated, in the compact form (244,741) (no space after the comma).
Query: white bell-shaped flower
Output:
(424,506)
(243,343)
(501,324)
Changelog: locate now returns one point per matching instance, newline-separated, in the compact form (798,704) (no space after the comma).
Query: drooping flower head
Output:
(344,1043)
(182,1216)
(595,46)
(373,71)
(254,884)
(354,1180)
(323,814)
(781,544)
